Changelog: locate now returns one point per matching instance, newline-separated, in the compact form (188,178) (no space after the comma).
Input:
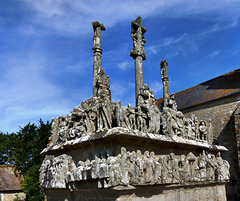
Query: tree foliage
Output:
(6,154)
(22,149)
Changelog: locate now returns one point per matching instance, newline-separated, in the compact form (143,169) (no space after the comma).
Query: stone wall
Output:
(11,195)
(221,112)
(151,193)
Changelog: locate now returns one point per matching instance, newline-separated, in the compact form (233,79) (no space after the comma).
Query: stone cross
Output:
(138,53)
(165,81)
(97,28)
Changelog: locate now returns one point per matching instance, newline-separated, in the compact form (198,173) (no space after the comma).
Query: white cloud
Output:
(174,46)
(124,65)
(27,93)
(214,53)
(74,17)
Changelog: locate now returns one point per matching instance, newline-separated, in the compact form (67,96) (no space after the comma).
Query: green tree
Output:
(28,144)
(6,154)
(24,148)
(31,184)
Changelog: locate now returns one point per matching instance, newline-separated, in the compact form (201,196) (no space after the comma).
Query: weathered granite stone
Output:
(131,169)
(138,52)
(97,28)
(165,81)
(104,147)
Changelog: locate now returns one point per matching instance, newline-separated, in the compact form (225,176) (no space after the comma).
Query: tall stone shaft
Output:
(138,75)
(138,52)
(97,28)
(165,81)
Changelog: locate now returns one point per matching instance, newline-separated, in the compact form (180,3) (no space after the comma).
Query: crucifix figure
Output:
(138,53)
(97,28)
(165,81)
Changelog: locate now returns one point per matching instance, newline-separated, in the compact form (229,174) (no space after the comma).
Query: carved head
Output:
(81,163)
(152,154)
(172,156)
(146,153)
(123,150)
(139,153)
(203,123)
(172,96)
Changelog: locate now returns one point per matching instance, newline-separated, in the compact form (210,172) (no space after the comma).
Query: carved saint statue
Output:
(97,28)
(137,33)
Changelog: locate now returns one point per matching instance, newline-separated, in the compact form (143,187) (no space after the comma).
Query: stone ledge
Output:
(119,131)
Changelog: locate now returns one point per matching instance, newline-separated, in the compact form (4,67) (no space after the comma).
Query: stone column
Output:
(138,53)
(165,81)
(97,28)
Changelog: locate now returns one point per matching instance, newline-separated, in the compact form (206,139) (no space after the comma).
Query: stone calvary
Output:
(105,151)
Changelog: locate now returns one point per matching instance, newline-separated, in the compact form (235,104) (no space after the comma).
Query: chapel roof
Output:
(219,87)
(8,180)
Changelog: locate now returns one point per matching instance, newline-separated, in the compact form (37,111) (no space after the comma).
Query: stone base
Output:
(151,193)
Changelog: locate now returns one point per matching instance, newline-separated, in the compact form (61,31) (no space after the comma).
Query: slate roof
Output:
(8,180)
(219,87)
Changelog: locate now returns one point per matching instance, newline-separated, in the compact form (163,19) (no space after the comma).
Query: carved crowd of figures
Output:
(135,168)
(99,113)
(174,123)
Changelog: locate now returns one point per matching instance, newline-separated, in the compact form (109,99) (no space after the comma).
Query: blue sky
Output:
(46,51)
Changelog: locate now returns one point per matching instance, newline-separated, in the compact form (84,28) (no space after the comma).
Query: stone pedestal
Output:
(152,193)
(107,166)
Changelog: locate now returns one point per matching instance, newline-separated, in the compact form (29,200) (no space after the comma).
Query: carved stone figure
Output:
(97,27)
(57,169)
(115,174)
(164,169)
(80,173)
(149,167)
(203,130)
(94,169)
(103,174)
(132,168)
(139,167)
(173,175)
(103,85)
(46,172)
(180,124)
(141,120)
(172,102)
(188,128)
(165,121)
(191,158)
(124,166)
(210,131)
(154,118)
(201,168)
(222,169)
(171,121)
(210,168)
(105,116)
(137,33)
(131,116)
(183,169)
